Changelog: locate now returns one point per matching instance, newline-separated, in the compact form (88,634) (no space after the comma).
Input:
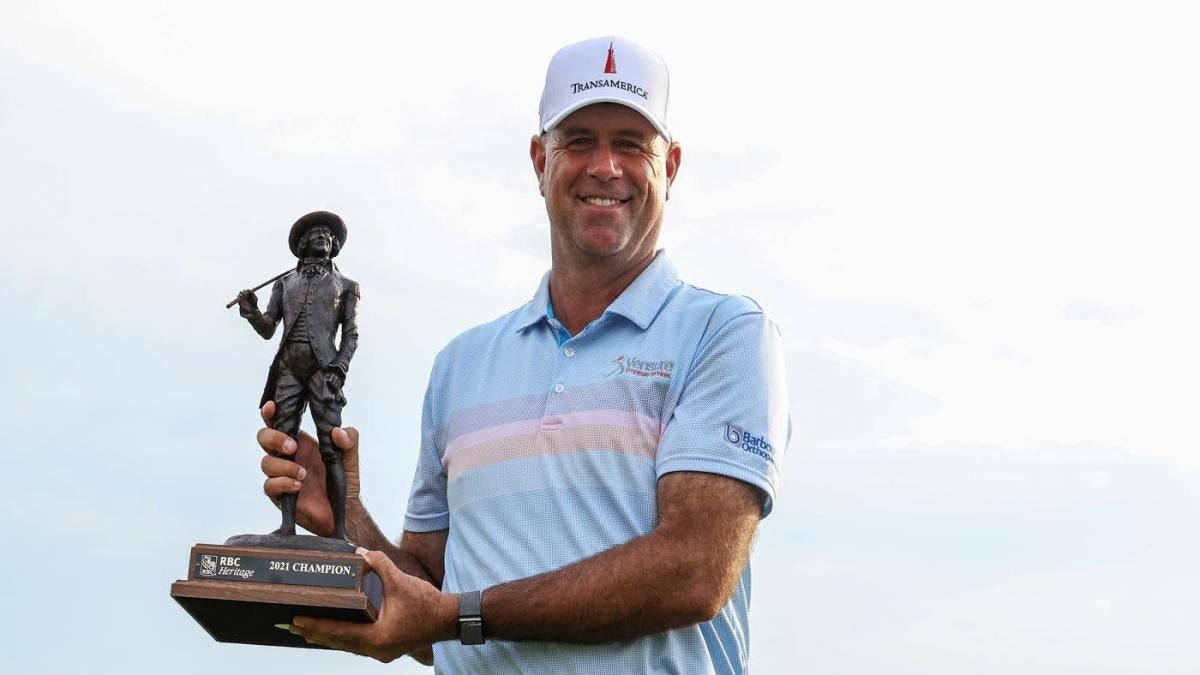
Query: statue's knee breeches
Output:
(290,400)
(327,416)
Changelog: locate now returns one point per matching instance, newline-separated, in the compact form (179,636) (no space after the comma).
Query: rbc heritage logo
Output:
(755,445)
(208,565)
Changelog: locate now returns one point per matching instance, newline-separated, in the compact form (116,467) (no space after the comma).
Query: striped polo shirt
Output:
(540,448)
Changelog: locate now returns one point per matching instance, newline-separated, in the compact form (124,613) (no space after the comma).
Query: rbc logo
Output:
(208,565)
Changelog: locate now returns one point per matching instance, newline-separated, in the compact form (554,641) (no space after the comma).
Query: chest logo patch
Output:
(641,367)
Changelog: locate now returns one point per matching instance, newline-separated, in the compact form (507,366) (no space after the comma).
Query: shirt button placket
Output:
(567,352)
(554,404)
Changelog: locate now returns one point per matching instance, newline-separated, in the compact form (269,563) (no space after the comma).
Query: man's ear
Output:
(674,157)
(537,155)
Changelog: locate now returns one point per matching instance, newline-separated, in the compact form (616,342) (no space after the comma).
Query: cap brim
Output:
(562,114)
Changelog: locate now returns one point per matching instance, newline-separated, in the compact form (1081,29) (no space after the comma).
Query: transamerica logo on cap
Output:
(577,87)
(610,66)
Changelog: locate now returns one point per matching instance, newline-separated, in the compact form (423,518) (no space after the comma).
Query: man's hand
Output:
(247,303)
(292,466)
(413,616)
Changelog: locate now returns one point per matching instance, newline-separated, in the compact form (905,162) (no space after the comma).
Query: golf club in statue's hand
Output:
(247,303)
(253,298)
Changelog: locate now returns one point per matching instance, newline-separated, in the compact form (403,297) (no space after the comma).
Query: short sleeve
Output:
(732,415)
(428,508)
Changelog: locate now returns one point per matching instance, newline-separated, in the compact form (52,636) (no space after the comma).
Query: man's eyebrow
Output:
(632,133)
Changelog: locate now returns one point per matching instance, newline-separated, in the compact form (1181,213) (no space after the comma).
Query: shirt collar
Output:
(639,303)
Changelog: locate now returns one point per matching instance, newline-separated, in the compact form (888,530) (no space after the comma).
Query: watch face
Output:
(470,630)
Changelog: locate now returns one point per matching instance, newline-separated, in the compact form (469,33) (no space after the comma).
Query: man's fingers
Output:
(276,441)
(268,412)
(345,438)
(384,567)
(377,561)
(280,485)
(273,466)
(344,635)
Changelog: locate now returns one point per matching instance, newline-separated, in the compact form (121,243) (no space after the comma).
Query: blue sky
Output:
(970,223)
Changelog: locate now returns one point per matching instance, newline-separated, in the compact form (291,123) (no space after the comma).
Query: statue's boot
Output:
(287,504)
(335,487)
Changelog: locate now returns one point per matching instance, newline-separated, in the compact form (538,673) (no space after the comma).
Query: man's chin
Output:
(601,247)
(603,239)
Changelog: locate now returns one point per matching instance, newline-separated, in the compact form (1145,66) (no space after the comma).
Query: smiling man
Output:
(593,464)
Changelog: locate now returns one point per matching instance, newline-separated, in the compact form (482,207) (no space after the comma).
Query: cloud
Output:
(1080,308)
(987,560)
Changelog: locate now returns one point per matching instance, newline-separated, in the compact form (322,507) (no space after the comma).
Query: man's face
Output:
(318,242)
(604,171)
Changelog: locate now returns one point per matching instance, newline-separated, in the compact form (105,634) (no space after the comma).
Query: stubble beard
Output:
(576,245)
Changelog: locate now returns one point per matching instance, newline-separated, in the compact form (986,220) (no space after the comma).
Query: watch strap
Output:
(470,617)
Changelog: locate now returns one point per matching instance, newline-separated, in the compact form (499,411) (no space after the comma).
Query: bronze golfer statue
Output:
(313,301)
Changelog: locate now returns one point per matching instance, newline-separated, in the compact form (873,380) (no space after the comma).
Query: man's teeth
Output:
(601,201)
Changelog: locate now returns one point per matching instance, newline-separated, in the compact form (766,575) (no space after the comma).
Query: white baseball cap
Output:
(605,70)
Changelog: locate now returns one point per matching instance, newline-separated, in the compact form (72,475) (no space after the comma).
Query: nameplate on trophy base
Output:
(240,594)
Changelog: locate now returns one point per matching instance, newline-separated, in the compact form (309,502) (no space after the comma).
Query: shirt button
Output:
(558,388)
(569,351)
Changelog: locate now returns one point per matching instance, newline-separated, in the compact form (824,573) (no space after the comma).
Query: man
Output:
(308,370)
(593,464)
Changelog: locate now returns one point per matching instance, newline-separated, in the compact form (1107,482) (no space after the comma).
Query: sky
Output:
(969,221)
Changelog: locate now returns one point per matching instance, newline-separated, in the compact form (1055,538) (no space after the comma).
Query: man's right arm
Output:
(419,554)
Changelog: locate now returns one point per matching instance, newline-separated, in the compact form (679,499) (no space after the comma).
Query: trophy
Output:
(249,588)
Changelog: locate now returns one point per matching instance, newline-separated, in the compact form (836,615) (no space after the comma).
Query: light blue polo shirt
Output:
(540,448)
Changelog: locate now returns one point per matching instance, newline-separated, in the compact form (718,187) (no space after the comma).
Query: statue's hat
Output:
(317,219)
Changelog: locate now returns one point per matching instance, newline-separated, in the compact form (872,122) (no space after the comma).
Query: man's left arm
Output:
(680,574)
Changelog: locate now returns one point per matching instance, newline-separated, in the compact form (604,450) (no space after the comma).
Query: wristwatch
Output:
(470,619)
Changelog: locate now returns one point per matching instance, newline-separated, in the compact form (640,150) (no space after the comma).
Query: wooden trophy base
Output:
(240,593)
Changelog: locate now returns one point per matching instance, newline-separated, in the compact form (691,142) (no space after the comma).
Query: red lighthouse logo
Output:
(610,66)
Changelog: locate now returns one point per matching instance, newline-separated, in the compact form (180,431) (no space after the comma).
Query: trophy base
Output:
(241,594)
(295,542)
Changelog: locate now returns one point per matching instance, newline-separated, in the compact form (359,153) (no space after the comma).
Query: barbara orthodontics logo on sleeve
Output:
(748,442)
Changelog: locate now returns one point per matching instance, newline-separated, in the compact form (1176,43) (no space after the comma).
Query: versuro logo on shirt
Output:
(633,365)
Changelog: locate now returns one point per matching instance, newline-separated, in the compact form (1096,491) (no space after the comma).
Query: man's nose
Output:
(604,163)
